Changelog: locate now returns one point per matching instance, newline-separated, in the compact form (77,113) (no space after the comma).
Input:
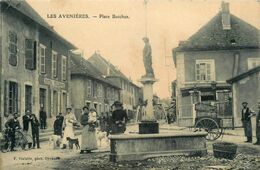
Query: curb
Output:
(46,137)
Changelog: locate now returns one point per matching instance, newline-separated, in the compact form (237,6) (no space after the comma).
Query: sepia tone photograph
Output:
(130,84)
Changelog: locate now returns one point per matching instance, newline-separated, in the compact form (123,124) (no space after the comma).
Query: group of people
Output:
(30,129)
(113,123)
(247,113)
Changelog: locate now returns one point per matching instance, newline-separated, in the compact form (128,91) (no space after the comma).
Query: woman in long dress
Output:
(69,120)
(88,138)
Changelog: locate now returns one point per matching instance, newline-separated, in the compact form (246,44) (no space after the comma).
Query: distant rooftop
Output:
(80,66)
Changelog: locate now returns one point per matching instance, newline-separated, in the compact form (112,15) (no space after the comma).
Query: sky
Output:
(165,22)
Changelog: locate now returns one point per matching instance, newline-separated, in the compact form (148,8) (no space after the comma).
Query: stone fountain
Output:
(149,142)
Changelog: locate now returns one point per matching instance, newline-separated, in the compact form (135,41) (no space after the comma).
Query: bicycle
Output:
(5,140)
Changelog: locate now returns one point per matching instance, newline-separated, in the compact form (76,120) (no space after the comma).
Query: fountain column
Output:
(148,122)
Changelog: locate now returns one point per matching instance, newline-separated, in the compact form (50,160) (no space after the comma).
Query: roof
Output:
(24,8)
(212,36)
(244,75)
(80,66)
(114,72)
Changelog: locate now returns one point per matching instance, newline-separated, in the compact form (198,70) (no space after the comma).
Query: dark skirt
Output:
(117,129)
(247,128)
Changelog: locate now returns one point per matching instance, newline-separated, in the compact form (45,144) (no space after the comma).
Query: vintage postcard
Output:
(130,84)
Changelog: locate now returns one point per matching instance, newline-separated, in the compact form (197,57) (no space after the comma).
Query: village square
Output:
(114,89)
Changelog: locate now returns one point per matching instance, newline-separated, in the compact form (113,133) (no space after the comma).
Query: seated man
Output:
(12,125)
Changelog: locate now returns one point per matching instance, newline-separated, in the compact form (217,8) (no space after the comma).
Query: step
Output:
(47,136)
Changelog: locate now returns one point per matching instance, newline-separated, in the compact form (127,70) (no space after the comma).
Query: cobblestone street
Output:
(248,158)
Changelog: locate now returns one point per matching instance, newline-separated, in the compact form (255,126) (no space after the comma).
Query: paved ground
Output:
(46,158)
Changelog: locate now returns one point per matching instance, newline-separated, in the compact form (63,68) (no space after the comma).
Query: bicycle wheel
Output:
(5,143)
(20,140)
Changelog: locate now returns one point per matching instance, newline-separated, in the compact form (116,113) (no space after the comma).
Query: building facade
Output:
(89,87)
(245,88)
(225,47)
(130,93)
(22,37)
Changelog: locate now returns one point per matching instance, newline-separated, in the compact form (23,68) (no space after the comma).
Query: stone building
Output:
(223,48)
(130,93)
(245,87)
(25,53)
(90,88)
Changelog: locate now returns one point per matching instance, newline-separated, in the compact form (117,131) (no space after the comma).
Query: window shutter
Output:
(12,48)
(16,98)
(34,64)
(19,96)
(28,54)
(6,98)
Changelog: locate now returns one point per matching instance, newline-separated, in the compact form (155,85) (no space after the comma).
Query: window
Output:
(99,90)
(55,103)
(42,58)
(89,88)
(28,98)
(54,64)
(108,93)
(253,62)
(205,70)
(43,98)
(95,86)
(30,54)
(88,104)
(12,48)
(64,68)
(112,94)
(64,102)
(12,97)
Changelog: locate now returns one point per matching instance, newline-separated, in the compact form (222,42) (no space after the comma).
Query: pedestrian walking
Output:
(43,118)
(12,125)
(119,118)
(27,127)
(88,137)
(258,126)
(69,121)
(35,132)
(246,121)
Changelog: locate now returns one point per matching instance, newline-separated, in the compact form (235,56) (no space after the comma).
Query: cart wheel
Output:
(210,126)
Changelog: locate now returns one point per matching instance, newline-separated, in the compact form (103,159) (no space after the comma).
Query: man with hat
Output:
(119,118)
(246,121)
(258,126)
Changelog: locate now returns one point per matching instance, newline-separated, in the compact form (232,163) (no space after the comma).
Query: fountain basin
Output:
(127,147)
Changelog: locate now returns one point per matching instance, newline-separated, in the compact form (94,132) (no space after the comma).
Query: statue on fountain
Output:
(147,59)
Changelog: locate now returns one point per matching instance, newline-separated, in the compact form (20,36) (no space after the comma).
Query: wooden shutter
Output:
(16,98)
(6,98)
(19,96)
(28,54)
(12,48)
(35,49)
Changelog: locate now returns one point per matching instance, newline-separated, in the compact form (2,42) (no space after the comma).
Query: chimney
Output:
(108,70)
(225,16)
